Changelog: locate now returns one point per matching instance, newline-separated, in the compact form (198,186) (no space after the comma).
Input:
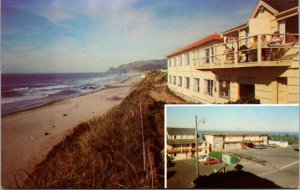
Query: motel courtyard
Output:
(258,168)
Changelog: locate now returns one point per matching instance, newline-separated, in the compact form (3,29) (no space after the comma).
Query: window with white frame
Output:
(208,87)
(207,56)
(246,38)
(224,86)
(212,55)
(174,61)
(179,81)
(195,57)
(174,80)
(187,82)
(198,56)
(179,60)
(170,79)
(187,59)
(169,63)
(201,56)
(196,84)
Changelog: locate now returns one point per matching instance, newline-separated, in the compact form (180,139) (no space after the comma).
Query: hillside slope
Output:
(140,66)
(106,152)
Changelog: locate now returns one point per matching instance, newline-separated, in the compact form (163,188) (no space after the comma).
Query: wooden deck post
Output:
(259,61)
(235,55)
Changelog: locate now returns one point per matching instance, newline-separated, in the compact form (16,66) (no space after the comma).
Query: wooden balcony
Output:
(183,150)
(243,141)
(221,56)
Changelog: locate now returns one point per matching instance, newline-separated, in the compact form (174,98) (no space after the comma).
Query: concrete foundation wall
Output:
(232,146)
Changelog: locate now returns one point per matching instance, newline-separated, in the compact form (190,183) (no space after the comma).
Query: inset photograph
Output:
(232,146)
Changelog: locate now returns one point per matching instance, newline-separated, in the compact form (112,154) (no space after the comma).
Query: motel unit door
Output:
(246,87)
(282,90)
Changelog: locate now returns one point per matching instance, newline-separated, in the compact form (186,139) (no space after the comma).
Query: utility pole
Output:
(142,125)
(196,142)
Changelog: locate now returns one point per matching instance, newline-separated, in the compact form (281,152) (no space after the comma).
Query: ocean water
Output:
(24,91)
(266,132)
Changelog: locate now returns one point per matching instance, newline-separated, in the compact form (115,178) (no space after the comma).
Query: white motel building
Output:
(258,59)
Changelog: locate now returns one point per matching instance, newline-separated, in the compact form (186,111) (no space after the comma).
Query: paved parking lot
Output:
(280,165)
(277,166)
(183,173)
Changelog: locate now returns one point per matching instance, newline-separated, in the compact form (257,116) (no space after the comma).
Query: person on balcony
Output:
(229,51)
(264,48)
(254,43)
(264,42)
(253,50)
(276,40)
(244,50)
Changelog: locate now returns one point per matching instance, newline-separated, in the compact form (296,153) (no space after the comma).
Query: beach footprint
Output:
(46,133)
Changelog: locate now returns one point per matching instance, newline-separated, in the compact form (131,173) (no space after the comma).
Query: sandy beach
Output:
(28,136)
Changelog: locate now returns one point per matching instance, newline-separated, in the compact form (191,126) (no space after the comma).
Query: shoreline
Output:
(109,86)
(28,135)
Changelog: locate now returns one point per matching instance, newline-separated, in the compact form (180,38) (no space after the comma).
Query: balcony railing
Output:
(242,141)
(183,150)
(248,52)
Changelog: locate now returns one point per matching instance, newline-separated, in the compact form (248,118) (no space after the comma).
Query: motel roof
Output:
(211,38)
(281,6)
(236,134)
(180,131)
(276,5)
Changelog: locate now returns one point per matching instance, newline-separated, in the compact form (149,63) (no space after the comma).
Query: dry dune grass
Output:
(107,151)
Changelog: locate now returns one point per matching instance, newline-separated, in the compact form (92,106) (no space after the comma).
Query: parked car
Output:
(210,161)
(203,159)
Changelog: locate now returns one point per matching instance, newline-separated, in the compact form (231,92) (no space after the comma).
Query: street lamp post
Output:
(196,142)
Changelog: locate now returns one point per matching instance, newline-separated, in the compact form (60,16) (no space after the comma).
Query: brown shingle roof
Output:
(235,134)
(282,5)
(180,131)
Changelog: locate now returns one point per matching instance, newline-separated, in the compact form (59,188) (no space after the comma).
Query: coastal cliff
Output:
(107,151)
(140,66)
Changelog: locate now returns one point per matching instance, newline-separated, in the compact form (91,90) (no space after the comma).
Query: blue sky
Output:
(93,35)
(236,118)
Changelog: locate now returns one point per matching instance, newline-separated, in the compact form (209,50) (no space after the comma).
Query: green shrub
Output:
(170,160)
(218,155)
(292,139)
(234,160)
(250,100)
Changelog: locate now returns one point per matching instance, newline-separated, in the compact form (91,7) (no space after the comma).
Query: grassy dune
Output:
(106,152)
